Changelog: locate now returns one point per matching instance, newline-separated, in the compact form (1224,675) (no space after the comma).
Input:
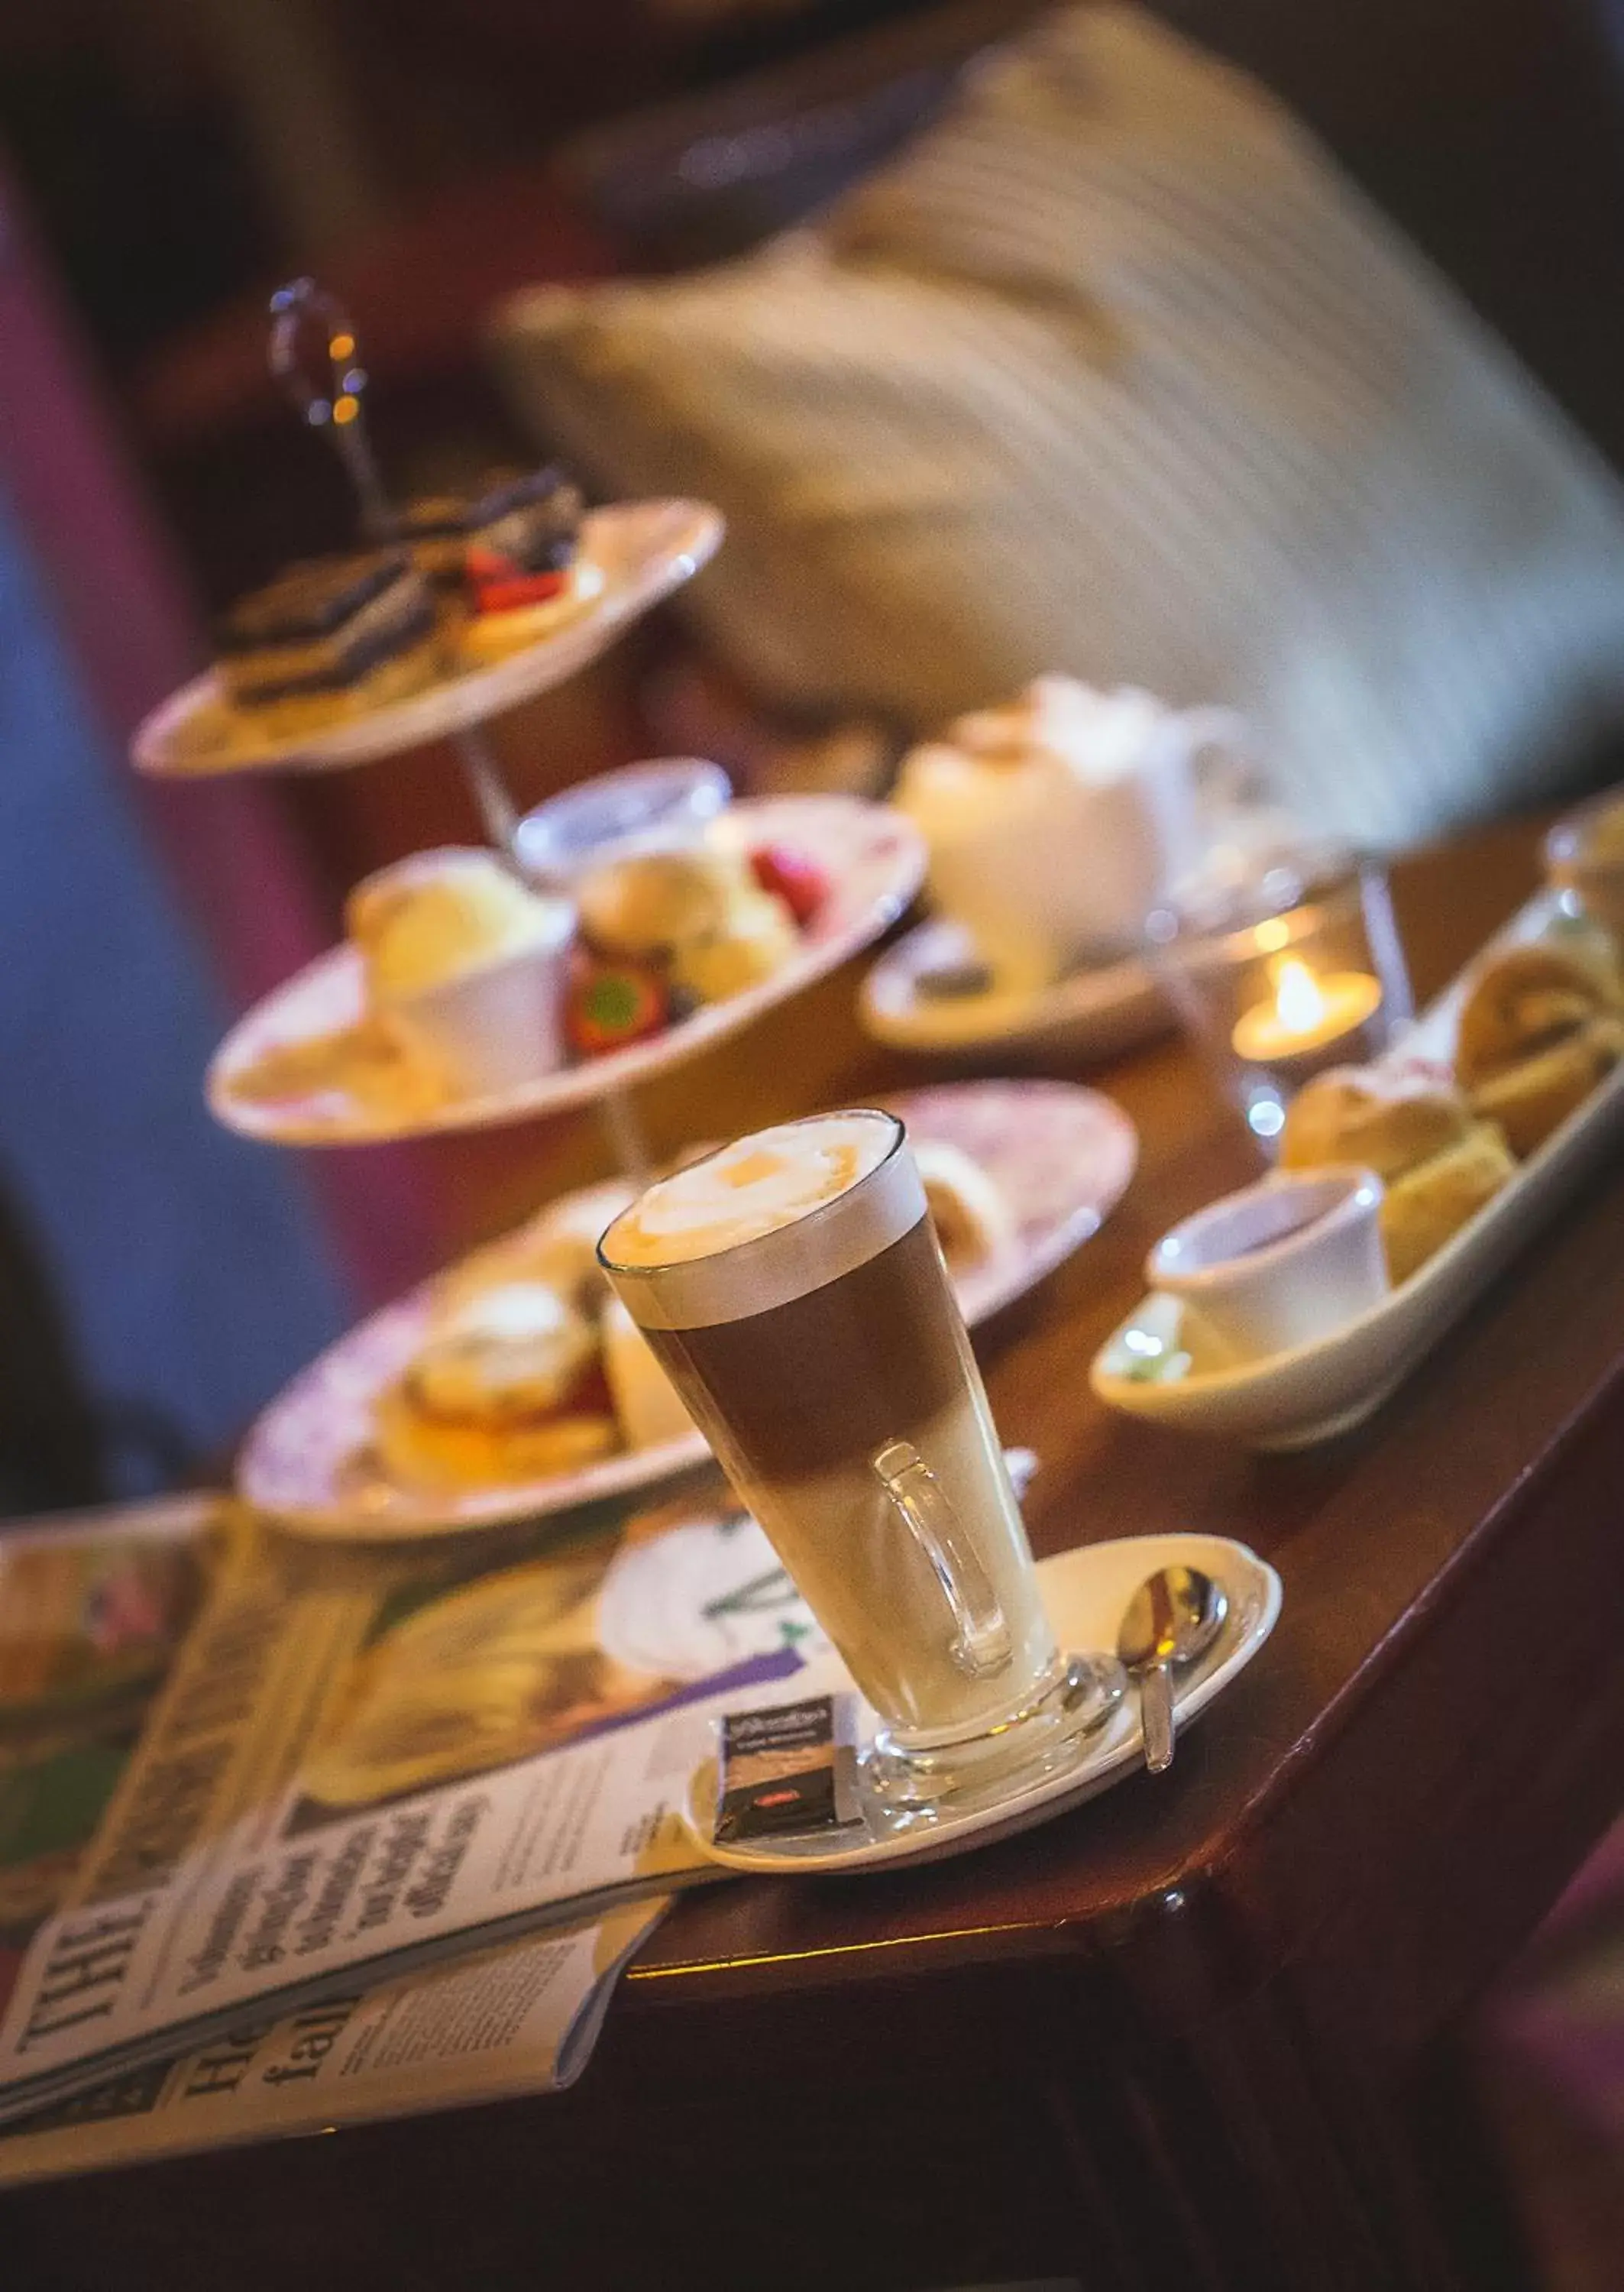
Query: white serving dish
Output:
(645,550)
(874,860)
(1292,1399)
(1089,1014)
(1060,1154)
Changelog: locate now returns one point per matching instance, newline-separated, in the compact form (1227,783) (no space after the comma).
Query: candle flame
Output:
(1299,1003)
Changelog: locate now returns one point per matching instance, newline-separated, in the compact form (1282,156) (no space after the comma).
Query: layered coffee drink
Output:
(791,1286)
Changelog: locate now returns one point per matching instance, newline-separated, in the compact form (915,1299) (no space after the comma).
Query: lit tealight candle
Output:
(1305,1014)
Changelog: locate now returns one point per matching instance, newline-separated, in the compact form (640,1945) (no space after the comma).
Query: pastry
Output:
(647,1403)
(508,558)
(972,1220)
(505,1387)
(1363,1115)
(444,1452)
(1527,999)
(1438,1162)
(1532,1099)
(755,943)
(327,640)
(510,609)
(514,1349)
(646,905)
(532,519)
(1424,1207)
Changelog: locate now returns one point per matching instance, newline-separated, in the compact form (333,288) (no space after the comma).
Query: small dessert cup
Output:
(672,799)
(1280,1265)
(496,1025)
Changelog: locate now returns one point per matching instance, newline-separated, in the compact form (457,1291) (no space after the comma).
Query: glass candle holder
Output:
(1296,967)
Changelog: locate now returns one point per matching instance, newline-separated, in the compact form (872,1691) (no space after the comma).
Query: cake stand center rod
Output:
(623,1132)
(483,775)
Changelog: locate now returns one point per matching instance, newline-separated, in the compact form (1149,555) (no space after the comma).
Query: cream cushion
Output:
(1114,372)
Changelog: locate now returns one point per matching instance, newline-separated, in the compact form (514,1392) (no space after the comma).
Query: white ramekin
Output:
(1279,1264)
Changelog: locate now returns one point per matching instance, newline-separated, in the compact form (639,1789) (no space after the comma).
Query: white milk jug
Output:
(1054,824)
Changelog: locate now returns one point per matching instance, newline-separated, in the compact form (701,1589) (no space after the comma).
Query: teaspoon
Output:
(1172,1619)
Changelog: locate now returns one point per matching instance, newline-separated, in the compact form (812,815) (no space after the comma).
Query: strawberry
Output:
(796,878)
(498,584)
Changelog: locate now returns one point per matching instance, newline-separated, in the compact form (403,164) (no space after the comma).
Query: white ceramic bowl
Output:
(673,797)
(498,1024)
(1280,1264)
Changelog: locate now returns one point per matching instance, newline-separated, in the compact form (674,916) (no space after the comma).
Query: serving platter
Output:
(1060,1155)
(874,860)
(644,550)
(1154,1365)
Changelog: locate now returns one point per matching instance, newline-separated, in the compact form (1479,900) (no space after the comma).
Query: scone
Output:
(1527,999)
(758,939)
(514,1350)
(1532,1099)
(327,640)
(973,1221)
(504,1387)
(443,1452)
(649,904)
(1384,1122)
(1424,1207)
(439,915)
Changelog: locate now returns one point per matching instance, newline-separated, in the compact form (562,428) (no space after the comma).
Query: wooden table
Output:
(1186,2036)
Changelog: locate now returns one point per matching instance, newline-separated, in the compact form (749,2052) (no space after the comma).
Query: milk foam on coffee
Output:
(750,1188)
(691,1225)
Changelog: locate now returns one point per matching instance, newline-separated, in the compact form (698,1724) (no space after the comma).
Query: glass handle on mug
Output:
(981,1642)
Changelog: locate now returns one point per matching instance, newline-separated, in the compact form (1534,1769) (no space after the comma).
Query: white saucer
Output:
(1091,1015)
(873,858)
(1060,1155)
(644,550)
(1085,1592)
(1149,1366)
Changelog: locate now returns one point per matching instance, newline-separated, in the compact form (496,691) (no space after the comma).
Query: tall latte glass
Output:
(792,1288)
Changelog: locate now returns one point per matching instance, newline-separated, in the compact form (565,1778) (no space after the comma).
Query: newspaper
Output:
(363,1760)
(522,2019)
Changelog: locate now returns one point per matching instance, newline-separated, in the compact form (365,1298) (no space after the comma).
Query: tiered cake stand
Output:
(644,551)
(307,1067)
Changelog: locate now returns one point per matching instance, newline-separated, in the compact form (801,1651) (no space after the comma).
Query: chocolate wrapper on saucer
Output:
(790,1769)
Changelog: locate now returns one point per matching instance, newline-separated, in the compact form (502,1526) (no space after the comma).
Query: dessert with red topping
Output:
(506,557)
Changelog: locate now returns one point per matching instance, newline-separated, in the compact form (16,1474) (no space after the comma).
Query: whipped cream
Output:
(1053,823)
(442,921)
(1099,735)
(748,1190)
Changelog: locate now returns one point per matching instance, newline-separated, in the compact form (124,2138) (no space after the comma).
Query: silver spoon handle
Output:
(1157,1716)
(315,356)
